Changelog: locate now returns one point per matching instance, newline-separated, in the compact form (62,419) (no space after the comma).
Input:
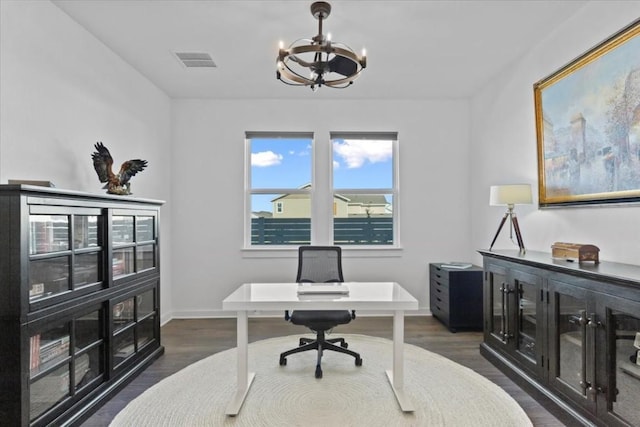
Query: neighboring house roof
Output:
(304,196)
(291,196)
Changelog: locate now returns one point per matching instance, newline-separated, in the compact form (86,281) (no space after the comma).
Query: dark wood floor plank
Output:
(189,340)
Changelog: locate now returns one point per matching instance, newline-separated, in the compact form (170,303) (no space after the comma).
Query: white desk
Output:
(283,296)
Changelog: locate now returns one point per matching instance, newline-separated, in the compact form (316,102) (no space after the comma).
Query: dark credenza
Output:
(80,302)
(455,296)
(567,332)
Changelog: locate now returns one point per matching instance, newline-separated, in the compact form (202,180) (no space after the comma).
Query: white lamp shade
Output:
(511,194)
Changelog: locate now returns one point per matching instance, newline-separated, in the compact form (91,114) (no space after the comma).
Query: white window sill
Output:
(347,252)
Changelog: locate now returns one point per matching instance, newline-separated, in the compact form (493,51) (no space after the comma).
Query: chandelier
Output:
(319,61)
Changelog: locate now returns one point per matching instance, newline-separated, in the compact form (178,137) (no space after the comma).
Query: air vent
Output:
(196,59)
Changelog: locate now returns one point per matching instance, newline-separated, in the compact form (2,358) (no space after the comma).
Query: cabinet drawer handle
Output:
(593,389)
(582,321)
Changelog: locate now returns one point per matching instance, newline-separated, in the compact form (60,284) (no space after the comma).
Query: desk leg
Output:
(245,378)
(396,375)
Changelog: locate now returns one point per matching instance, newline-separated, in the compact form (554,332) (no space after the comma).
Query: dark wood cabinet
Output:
(567,332)
(455,296)
(80,305)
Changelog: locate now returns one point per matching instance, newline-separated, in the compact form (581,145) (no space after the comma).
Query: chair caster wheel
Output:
(318,372)
(283,361)
(344,345)
(359,361)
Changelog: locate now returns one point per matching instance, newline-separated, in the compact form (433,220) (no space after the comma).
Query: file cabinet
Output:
(455,296)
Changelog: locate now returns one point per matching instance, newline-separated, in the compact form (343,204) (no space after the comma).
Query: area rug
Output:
(444,393)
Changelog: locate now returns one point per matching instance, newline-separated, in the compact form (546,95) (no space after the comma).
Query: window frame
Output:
(250,191)
(321,189)
(394,191)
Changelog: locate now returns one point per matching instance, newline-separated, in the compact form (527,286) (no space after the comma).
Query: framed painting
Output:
(588,126)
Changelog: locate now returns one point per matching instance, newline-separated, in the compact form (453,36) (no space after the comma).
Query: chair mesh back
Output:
(319,264)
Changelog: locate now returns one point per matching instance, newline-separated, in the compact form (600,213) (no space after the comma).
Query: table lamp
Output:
(510,195)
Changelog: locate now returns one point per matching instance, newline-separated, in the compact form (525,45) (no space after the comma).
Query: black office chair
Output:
(320,264)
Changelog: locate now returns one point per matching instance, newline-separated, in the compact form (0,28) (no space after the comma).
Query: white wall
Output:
(503,145)
(61,91)
(208,167)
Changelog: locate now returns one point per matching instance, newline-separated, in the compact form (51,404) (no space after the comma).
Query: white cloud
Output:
(265,159)
(355,152)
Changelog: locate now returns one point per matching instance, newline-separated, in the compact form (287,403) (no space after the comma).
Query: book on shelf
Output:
(34,358)
(455,264)
(37,290)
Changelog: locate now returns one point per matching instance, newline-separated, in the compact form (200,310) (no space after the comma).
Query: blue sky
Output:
(286,163)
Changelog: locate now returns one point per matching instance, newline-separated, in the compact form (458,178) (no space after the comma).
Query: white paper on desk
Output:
(322,288)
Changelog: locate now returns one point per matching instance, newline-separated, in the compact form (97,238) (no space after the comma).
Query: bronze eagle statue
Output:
(115,184)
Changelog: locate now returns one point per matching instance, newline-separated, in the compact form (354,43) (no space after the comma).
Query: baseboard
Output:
(208,314)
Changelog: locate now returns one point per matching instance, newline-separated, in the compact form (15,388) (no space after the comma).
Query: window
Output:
(279,194)
(296,194)
(364,188)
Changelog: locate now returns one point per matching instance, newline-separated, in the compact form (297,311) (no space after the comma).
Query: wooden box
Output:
(575,252)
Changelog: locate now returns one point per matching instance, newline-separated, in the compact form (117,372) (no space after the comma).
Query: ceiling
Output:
(415,49)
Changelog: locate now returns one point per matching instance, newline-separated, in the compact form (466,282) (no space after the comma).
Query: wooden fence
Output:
(346,231)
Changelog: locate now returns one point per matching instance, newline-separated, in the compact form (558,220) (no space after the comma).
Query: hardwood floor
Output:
(187,341)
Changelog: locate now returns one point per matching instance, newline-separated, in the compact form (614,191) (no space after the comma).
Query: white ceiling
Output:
(415,49)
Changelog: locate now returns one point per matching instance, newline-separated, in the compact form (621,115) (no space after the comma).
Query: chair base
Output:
(320,344)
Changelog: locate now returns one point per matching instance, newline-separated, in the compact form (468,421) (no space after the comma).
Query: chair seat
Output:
(320,319)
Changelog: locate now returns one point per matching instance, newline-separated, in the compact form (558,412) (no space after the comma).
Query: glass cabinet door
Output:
(64,254)
(529,322)
(65,359)
(528,297)
(497,288)
(134,242)
(619,381)
(571,341)
(134,324)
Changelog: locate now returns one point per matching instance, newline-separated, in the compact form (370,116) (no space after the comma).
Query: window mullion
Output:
(321,212)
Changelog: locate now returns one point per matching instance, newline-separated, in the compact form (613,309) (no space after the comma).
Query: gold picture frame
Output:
(588,126)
